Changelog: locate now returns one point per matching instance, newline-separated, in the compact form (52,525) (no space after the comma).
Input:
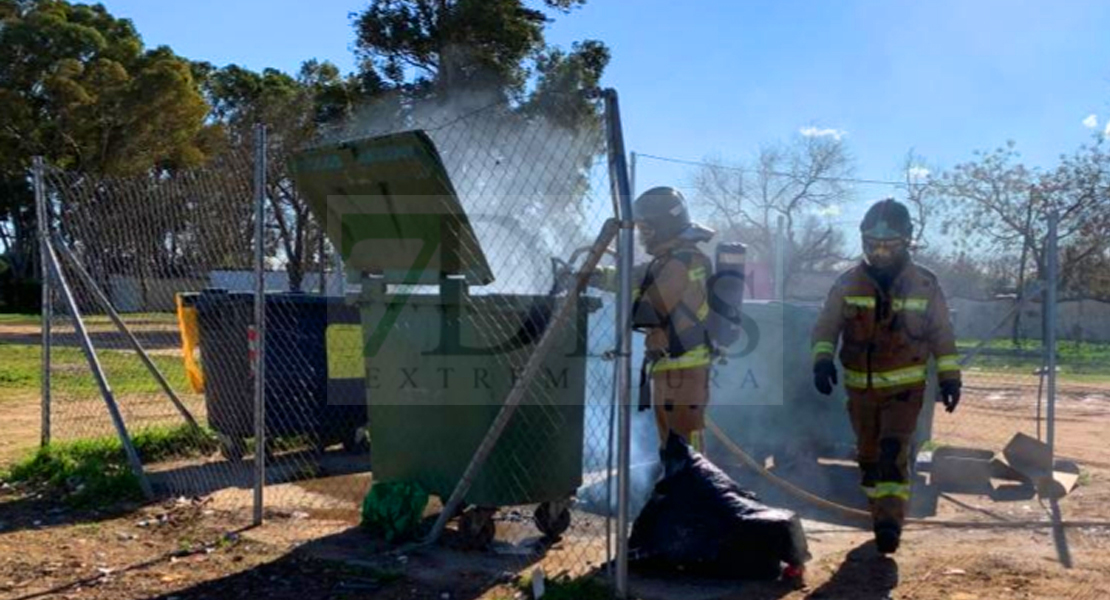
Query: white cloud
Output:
(1091,121)
(818,132)
(918,173)
(832,210)
(1106,132)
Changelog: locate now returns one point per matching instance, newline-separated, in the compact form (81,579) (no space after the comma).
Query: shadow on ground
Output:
(202,479)
(353,564)
(865,574)
(38,507)
(29,509)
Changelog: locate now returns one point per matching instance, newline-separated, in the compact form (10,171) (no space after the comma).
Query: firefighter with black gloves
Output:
(890,315)
(671,306)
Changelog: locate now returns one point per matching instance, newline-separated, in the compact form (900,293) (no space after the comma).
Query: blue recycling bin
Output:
(301,398)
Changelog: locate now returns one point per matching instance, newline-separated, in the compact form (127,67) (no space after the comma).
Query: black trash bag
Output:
(700,522)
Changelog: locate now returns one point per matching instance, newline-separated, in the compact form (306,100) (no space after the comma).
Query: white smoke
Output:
(520,179)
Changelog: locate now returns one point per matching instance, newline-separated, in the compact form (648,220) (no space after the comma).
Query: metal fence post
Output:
(621,188)
(259,320)
(89,349)
(1050,329)
(106,303)
(780,260)
(632,176)
(47,315)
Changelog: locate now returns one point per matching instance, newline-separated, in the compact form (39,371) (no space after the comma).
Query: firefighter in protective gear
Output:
(890,316)
(671,306)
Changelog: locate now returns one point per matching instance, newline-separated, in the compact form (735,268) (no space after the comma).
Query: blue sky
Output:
(724,76)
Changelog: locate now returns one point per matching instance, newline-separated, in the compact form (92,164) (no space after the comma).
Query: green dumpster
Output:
(441,353)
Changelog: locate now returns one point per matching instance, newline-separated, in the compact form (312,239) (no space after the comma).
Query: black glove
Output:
(949,394)
(824,375)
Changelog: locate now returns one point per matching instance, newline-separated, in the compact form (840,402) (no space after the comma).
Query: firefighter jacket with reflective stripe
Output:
(887,337)
(671,305)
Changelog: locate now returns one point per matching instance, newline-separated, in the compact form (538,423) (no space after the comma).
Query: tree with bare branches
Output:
(798,181)
(996,205)
(922,193)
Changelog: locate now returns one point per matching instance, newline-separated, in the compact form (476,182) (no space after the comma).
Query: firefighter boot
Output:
(888,535)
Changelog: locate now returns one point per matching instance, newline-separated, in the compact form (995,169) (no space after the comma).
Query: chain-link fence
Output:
(765,409)
(418,326)
(415,329)
(124,351)
(449,288)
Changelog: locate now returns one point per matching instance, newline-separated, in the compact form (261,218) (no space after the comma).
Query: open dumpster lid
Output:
(388,205)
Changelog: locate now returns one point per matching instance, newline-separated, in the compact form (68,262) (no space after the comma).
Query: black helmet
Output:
(662,216)
(886,230)
(887,219)
(663,209)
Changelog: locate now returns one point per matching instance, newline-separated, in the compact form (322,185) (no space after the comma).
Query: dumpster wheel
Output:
(552,518)
(357,441)
(477,527)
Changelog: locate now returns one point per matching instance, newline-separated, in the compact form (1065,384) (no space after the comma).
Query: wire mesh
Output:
(171,255)
(773,412)
(141,250)
(532,186)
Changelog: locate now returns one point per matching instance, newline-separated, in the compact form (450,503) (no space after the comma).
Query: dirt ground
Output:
(311,547)
(188,549)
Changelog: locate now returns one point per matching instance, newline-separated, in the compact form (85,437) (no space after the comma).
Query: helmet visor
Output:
(884,253)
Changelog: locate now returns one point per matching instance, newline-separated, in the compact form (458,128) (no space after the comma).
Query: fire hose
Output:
(846,512)
(863,516)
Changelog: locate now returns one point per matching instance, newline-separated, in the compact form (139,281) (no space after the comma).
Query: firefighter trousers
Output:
(679,398)
(884,424)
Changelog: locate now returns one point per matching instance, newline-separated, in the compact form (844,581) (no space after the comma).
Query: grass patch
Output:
(61,319)
(95,472)
(565,587)
(70,373)
(1084,479)
(1077,361)
(19,319)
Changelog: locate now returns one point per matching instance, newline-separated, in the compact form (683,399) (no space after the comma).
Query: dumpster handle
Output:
(516,393)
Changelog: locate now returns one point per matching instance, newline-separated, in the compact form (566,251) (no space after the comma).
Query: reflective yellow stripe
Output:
(887,489)
(914,304)
(948,362)
(861,301)
(696,357)
(703,312)
(823,348)
(885,379)
(697,273)
(697,442)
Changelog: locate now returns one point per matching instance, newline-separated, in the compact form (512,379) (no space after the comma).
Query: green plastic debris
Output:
(394,510)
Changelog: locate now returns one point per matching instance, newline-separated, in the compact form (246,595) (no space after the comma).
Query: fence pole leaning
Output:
(98,372)
(259,335)
(117,320)
(1050,330)
(47,293)
(621,189)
